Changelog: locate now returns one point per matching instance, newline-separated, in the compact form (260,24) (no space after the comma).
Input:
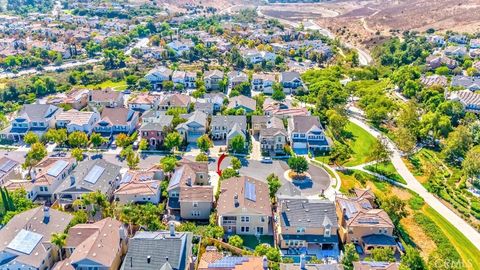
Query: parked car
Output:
(267,160)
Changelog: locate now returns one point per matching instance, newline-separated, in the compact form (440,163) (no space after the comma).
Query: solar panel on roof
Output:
(57,168)
(25,241)
(126,178)
(7,165)
(176,177)
(250,193)
(94,174)
(227,262)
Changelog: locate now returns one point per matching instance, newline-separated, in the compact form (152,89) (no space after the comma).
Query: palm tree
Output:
(59,240)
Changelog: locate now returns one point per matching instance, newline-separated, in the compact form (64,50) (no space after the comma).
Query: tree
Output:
(168,163)
(298,164)
(228,173)
(132,160)
(336,122)
(395,208)
(278,93)
(380,151)
(405,140)
(383,254)
(457,144)
(59,240)
(204,143)
(435,124)
(471,164)
(143,145)
(201,157)
(122,140)
(96,139)
(412,259)
(237,144)
(236,163)
(350,255)
(79,217)
(36,153)
(273,185)
(30,138)
(235,241)
(77,153)
(340,153)
(78,139)
(172,140)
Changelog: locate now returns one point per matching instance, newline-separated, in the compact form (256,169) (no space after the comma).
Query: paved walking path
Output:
(412,183)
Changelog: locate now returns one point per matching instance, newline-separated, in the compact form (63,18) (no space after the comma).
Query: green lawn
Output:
(386,169)
(119,86)
(464,247)
(361,143)
(251,241)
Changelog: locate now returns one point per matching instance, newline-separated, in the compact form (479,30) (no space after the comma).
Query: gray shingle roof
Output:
(229,121)
(162,249)
(303,124)
(37,112)
(298,212)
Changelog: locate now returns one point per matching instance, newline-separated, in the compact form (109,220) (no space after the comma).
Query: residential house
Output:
(282,109)
(77,98)
(236,78)
(98,245)
(174,101)
(226,127)
(212,259)
(306,134)
(155,124)
(115,121)
(374,265)
(273,136)
(190,80)
(455,51)
(74,120)
(244,207)
(460,39)
(89,176)
(8,169)
(470,100)
(157,76)
(139,187)
(143,102)
(290,81)
(435,79)
(217,99)
(163,250)
(436,40)
(466,82)
(263,82)
(255,56)
(26,238)
(205,107)
(190,194)
(435,61)
(178,78)
(108,97)
(242,102)
(195,126)
(360,223)
(37,118)
(47,176)
(309,225)
(213,80)
(181,46)
(475,43)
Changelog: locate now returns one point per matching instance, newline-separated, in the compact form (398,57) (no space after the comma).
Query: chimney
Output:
(46,214)
(122,232)
(149,259)
(265,263)
(302,262)
(172,228)
(166,258)
(235,200)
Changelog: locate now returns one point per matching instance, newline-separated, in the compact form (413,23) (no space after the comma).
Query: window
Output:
(262,219)
(245,219)
(327,232)
(195,213)
(245,229)
(300,230)
(195,204)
